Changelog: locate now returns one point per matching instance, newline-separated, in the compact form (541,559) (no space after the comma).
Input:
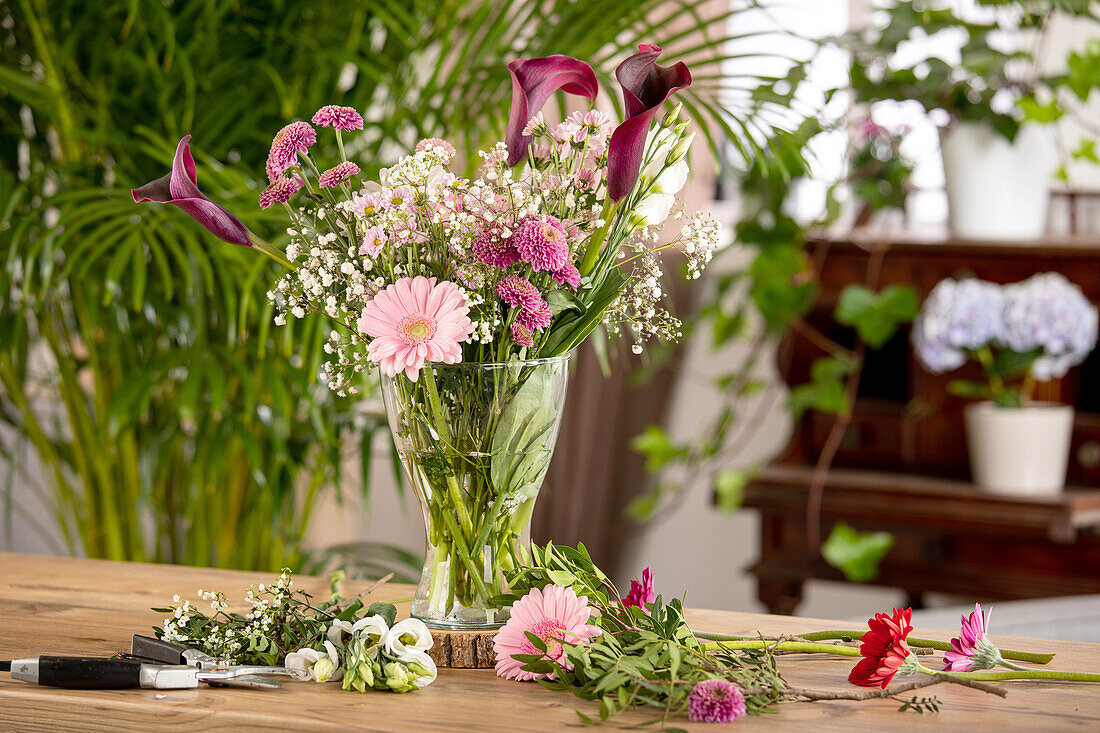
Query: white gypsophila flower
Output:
(958,316)
(427,672)
(407,635)
(654,208)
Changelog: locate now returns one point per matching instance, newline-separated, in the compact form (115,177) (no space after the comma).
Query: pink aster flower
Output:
(542,243)
(641,593)
(518,292)
(279,191)
(715,701)
(293,139)
(972,650)
(337,174)
(568,275)
(342,118)
(522,335)
(554,614)
(372,242)
(536,318)
(489,247)
(415,320)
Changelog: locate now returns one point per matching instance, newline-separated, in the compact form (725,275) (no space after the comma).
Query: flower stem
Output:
(786,646)
(943,646)
(1030,674)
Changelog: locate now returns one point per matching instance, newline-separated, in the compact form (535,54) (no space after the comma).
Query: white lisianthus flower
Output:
(372,630)
(673,178)
(421,664)
(658,145)
(323,666)
(337,632)
(407,635)
(654,208)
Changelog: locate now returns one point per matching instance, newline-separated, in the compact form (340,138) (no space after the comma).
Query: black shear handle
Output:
(89,673)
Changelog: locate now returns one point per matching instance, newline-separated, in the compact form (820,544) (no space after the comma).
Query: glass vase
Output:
(475,441)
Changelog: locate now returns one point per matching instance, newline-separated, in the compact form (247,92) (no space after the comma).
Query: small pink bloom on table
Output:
(715,701)
(337,174)
(642,592)
(554,614)
(341,118)
(416,320)
(972,650)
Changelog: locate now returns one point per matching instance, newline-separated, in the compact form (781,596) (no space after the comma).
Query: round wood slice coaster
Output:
(463,649)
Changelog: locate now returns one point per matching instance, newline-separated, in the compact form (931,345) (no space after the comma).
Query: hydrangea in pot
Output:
(1023,333)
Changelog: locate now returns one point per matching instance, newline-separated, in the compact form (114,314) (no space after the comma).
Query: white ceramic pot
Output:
(1019,451)
(996,189)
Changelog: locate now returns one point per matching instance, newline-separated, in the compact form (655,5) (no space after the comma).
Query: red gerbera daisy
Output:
(884,649)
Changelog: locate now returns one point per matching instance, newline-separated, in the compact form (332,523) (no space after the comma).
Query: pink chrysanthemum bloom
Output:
(522,335)
(415,320)
(518,292)
(554,614)
(434,142)
(972,650)
(641,593)
(489,247)
(342,118)
(337,174)
(293,139)
(536,318)
(568,275)
(542,243)
(279,191)
(715,701)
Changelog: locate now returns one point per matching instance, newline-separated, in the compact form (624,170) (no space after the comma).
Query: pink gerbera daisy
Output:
(972,650)
(541,242)
(279,191)
(342,118)
(337,174)
(415,320)
(554,614)
(293,139)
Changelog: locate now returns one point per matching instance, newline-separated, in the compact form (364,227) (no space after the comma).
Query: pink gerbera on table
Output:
(413,321)
(554,614)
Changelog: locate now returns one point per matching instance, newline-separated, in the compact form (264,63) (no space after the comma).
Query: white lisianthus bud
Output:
(672,115)
(322,666)
(672,179)
(421,665)
(680,151)
(654,208)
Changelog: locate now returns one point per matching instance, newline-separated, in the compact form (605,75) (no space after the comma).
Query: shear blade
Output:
(247,681)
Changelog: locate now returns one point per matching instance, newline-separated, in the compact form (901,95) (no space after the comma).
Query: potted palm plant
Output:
(979,75)
(1027,332)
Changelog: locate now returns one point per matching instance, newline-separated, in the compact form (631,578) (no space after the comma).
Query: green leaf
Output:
(729,488)
(783,287)
(826,391)
(1041,113)
(876,317)
(1086,150)
(657,447)
(969,389)
(1008,363)
(519,460)
(856,554)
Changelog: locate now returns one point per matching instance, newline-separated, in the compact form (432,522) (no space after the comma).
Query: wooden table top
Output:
(92,607)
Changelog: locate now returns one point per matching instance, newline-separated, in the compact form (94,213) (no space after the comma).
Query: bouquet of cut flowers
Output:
(468,294)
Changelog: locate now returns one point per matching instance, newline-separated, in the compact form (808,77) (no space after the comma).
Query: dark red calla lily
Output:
(181,188)
(646,86)
(533,81)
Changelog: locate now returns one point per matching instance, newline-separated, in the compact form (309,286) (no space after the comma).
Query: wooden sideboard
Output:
(902,464)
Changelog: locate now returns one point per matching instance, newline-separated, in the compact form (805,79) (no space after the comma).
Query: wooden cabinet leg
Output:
(780,596)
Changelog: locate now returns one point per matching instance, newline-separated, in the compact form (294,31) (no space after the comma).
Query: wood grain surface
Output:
(91,607)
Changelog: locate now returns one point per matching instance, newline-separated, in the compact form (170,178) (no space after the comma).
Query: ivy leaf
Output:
(656,446)
(729,488)
(782,285)
(1083,70)
(1086,151)
(826,390)
(856,554)
(1041,113)
(876,317)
